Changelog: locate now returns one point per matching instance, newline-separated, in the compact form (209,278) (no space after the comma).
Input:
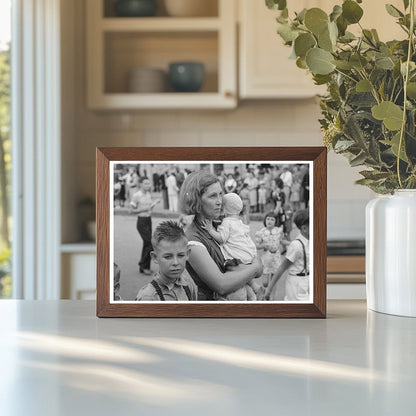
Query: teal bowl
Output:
(186,76)
(135,8)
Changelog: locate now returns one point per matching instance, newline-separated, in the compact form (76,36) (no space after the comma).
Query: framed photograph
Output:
(211,232)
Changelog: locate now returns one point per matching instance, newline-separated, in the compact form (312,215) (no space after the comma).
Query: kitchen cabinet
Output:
(118,45)
(78,263)
(265,70)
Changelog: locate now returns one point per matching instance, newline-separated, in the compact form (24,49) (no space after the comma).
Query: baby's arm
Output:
(213,232)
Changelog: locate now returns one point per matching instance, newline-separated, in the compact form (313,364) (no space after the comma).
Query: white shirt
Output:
(287,178)
(295,255)
(171,185)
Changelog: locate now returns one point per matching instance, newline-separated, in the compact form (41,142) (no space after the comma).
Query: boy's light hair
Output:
(167,230)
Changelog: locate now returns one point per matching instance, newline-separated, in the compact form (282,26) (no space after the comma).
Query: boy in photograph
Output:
(297,262)
(171,252)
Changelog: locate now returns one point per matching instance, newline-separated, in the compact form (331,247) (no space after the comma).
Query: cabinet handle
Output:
(229,94)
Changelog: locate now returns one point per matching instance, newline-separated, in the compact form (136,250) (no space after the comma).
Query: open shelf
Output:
(118,45)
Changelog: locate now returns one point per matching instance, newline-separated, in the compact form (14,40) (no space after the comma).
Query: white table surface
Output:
(57,358)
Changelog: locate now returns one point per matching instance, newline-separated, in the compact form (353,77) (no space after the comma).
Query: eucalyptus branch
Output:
(346,75)
(373,88)
(406,79)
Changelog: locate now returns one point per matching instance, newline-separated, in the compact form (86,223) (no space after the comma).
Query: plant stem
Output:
(406,79)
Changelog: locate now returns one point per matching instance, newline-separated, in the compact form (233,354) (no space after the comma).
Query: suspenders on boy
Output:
(160,294)
(305,271)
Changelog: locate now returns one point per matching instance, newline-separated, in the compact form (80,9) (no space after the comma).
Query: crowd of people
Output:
(213,257)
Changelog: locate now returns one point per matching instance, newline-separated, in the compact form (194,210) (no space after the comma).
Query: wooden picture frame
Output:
(312,159)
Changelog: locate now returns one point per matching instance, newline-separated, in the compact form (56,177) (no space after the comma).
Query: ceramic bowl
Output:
(135,8)
(186,76)
(147,80)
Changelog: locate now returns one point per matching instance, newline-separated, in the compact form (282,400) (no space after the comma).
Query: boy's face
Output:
(305,230)
(146,185)
(171,256)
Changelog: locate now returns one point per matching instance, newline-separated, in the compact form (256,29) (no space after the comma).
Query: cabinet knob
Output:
(229,94)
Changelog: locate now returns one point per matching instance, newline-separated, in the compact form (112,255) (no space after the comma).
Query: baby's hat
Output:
(232,204)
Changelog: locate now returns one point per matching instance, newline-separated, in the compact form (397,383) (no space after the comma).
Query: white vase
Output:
(391,253)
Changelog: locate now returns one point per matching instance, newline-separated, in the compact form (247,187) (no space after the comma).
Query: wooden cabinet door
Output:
(265,69)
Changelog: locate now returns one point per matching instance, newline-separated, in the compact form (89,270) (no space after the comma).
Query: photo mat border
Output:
(225,162)
(261,309)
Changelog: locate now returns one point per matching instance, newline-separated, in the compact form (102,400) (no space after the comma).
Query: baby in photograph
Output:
(172,282)
(236,244)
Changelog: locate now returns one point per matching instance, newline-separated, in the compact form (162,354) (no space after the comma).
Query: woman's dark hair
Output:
(192,190)
(272,215)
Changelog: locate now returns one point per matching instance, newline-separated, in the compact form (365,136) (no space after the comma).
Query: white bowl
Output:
(147,80)
(191,8)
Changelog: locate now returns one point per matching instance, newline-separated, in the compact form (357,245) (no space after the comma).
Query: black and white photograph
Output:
(234,231)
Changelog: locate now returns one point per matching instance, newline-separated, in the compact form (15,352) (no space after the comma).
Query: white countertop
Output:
(57,358)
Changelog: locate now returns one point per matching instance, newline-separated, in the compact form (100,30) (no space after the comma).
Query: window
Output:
(5,147)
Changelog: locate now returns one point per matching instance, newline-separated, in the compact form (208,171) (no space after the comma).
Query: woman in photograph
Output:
(253,184)
(201,195)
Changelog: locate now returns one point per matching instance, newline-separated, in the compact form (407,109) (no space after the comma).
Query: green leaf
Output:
(285,13)
(336,12)
(319,61)
(374,174)
(393,11)
(321,79)
(342,25)
(395,141)
(301,15)
(411,90)
(391,114)
(375,35)
(351,11)
(359,160)
(345,65)
(406,4)
(303,43)
(301,63)
(343,145)
(363,86)
(325,42)
(287,33)
(316,20)
(358,61)
(276,4)
(384,62)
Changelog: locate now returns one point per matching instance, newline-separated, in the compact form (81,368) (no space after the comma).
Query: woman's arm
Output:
(221,283)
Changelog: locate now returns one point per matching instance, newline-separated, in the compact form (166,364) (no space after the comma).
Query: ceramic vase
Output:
(391,253)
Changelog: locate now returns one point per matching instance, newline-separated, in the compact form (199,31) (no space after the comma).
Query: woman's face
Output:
(211,201)
(270,222)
